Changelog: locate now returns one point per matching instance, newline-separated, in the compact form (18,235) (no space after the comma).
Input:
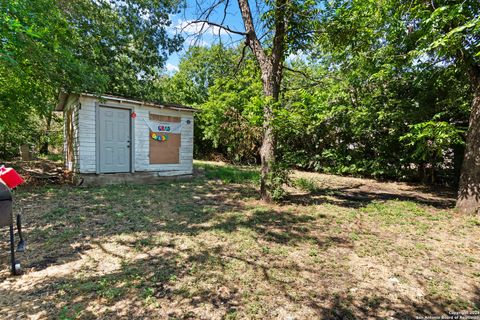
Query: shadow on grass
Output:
(351,197)
(380,307)
(146,282)
(280,227)
(64,224)
(150,284)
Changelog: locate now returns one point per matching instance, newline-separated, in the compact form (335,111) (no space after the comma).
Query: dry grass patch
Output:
(209,249)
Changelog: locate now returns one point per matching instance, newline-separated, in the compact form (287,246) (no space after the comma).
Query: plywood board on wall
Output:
(165,152)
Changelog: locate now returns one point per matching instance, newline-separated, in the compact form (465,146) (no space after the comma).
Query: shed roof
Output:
(64,97)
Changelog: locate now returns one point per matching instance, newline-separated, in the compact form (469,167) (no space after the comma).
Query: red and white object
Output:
(10,177)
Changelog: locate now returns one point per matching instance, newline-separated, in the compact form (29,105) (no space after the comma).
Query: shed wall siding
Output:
(76,151)
(86,139)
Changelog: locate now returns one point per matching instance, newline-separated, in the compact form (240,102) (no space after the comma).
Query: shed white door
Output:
(114,140)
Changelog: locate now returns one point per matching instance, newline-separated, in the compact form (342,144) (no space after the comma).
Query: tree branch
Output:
(252,39)
(312,80)
(213,24)
(297,71)
(205,14)
(225,12)
(241,59)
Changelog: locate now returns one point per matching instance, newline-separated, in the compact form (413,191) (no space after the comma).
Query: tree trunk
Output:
(267,153)
(271,70)
(267,150)
(468,200)
(45,144)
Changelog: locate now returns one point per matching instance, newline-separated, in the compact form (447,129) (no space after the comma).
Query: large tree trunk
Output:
(267,150)
(468,200)
(271,79)
(271,70)
(267,153)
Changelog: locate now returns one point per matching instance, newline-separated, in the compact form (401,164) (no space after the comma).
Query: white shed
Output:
(115,139)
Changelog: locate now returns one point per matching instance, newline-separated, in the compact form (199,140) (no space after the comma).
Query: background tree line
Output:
(363,120)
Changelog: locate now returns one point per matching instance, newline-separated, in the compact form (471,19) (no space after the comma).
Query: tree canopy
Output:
(74,46)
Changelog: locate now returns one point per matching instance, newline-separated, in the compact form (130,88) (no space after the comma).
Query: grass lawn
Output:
(338,248)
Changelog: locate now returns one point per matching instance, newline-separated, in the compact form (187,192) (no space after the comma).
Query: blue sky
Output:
(202,34)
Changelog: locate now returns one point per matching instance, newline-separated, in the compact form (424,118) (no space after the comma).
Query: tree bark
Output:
(267,150)
(271,73)
(45,145)
(468,200)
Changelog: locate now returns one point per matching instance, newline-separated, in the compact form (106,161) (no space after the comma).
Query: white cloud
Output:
(171,68)
(192,27)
